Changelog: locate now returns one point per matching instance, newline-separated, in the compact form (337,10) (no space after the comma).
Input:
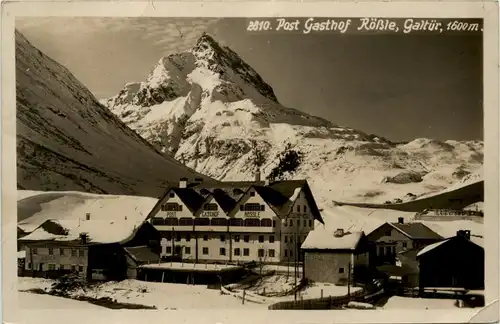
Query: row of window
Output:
(73,252)
(214,207)
(222,251)
(237,238)
(53,267)
(290,222)
(186,221)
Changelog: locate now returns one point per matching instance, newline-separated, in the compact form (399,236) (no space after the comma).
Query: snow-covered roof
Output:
(98,231)
(431,247)
(322,238)
(33,211)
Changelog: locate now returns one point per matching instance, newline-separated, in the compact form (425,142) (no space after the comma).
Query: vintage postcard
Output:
(248,162)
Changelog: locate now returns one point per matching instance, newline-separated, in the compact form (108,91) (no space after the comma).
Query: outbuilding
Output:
(334,256)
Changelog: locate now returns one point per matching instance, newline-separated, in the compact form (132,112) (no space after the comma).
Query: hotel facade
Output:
(235,222)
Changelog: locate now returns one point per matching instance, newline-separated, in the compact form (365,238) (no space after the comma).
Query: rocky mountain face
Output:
(67,140)
(211,111)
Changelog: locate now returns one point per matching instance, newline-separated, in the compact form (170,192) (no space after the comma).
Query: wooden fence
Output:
(331,302)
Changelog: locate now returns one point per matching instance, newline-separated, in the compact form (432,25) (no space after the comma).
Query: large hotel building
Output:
(235,221)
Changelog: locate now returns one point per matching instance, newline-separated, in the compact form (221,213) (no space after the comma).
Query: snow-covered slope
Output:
(67,140)
(213,112)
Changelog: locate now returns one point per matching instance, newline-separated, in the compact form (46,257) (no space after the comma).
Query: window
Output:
(286,239)
(305,209)
(61,251)
(178,237)
(81,253)
(252,222)
(341,270)
(298,222)
(222,251)
(80,268)
(210,206)
(73,253)
(218,222)
(202,221)
(253,207)
(260,253)
(261,238)
(169,250)
(205,237)
(305,223)
(271,253)
(51,251)
(171,207)
(246,238)
(246,252)
(237,252)
(291,222)
(266,222)
(298,208)
(185,221)
(223,238)
(271,239)
(188,237)
(286,253)
(236,238)
(171,222)
(205,250)
(236,222)
(310,223)
(291,239)
(73,268)
(52,267)
(291,253)
(35,251)
(187,250)
(29,265)
(274,223)
(252,193)
(405,244)
(172,194)
(168,237)
(158,221)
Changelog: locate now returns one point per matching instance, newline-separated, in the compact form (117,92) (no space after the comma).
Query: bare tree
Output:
(262,258)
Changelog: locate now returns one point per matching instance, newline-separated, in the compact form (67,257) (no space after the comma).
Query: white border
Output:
(486,10)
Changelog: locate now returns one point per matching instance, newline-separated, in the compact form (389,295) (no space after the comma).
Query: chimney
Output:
(401,220)
(83,238)
(183,183)
(464,233)
(339,232)
(87,216)
(257,176)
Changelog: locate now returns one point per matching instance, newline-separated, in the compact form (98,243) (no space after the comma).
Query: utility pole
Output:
(349,281)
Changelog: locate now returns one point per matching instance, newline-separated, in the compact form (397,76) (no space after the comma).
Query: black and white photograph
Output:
(250,163)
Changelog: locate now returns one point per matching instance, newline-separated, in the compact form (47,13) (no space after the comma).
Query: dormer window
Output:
(171,207)
(210,207)
(298,208)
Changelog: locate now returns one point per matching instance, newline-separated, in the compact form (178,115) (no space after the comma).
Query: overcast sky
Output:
(397,86)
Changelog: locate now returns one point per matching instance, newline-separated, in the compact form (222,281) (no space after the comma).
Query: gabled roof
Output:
(436,245)
(142,254)
(193,200)
(417,231)
(279,195)
(323,239)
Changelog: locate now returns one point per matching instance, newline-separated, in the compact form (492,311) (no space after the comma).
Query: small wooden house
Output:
(456,262)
